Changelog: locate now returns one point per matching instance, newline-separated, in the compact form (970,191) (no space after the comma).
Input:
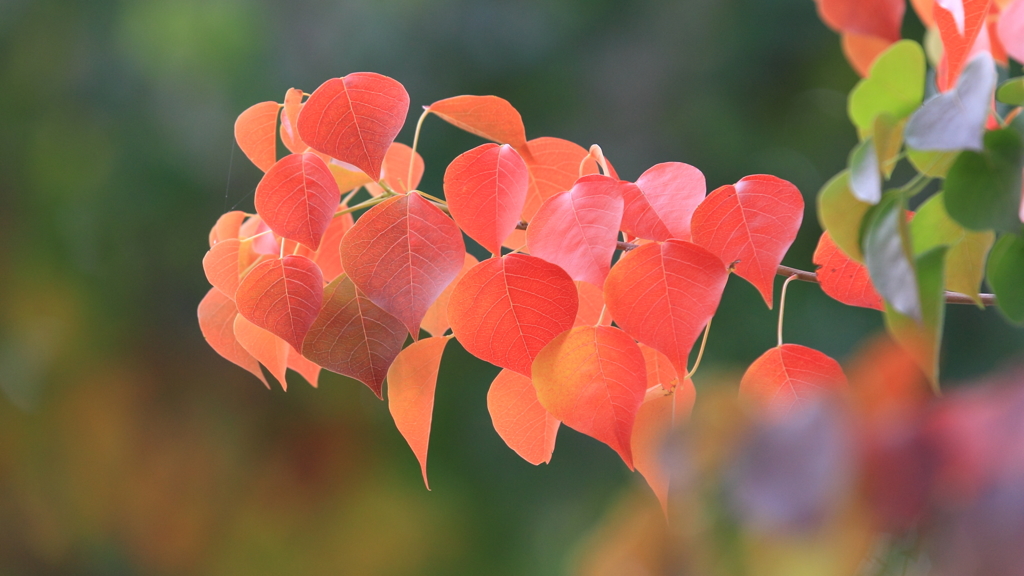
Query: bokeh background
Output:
(127,446)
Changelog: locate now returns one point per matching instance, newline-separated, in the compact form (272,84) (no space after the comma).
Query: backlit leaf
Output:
(486,191)
(436,320)
(880,18)
(256,133)
(786,377)
(983,189)
(289,118)
(965,260)
(1011,34)
(659,413)
(227,227)
(593,379)
(353,336)
(520,420)
(664,294)
(1012,91)
(396,170)
(888,138)
(863,51)
(661,204)
(931,163)
(221,266)
(865,174)
(504,310)
(751,223)
(921,337)
(591,300)
(355,119)
(1006,276)
(347,176)
(889,257)
(554,166)
(328,255)
(217,322)
(297,198)
(411,382)
(840,213)
(660,371)
(959,22)
(489,117)
(282,296)
(843,278)
(577,229)
(402,253)
(955,120)
(268,349)
(895,86)
(306,368)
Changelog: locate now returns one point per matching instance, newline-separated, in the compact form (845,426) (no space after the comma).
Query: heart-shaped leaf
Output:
(786,377)
(289,118)
(396,170)
(889,257)
(1012,91)
(282,296)
(256,133)
(520,420)
(841,213)
(268,349)
(921,337)
(217,315)
(983,189)
(412,379)
(353,336)
(355,119)
(504,310)
(664,294)
(297,198)
(486,191)
(659,413)
(436,320)
(577,229)
(753,224)
(959,22)
(1006,276)
(221,266)
(895,86)
(879,18)
(402,253)
(488,117)
(592,379)
(227,227)
(843,278)
(1011,34)
(865,175)
(965,259)
(955,120)
(554,166)
(661,204)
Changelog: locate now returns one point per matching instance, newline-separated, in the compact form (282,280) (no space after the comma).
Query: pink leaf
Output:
(661,204)
(282,296)
(216,321)
(297,198)
(486,190)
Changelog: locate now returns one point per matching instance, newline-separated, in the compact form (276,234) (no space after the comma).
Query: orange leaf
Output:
(282,296)
(591,300)
(270,350)
(752,224)
(436,320)
(504,310)
(843,278)
(489,117)
(353,336)
(958,29)
(256,133)
(289,131)
(664,294)
(658,414)
(347,176)
(660,371)
(227,227)
(925,11)
(486,190)
(554,166)
(306,368)
(788,375)
(593,379)
(216,321)
(328,255)
(577,229)
(355,119)
(396,170)
(862,51)
(411,382)
(297,198)
(520,420)
(221,266)
(879,18)
(661,204)
(402,253)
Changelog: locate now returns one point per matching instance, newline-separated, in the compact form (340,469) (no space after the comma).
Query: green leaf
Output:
(888,138)
(1006,276)
(865,177)
(888,256)
(841,213)
(983,189)
(1012,92)
(895,86)
(923,337)
(932,163)
(965,260)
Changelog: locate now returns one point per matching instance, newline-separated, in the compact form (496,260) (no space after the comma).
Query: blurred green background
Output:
(127,446)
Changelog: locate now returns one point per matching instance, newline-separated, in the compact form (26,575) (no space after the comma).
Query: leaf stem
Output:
(366,204)
(604,310)
(782,304)
(415,143)
(916,184)
(435,199)
(700,353)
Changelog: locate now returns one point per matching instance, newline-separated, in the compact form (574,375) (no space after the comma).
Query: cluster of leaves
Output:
(598,288)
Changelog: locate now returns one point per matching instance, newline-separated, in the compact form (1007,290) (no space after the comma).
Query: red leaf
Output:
(297,198)
(591,300)
(402,253)
(958,33)
(661,204)
(328,255)
(843,278)
(593,379)
(862,51)
(520,420)
(355,119)
(396,170)
(879,18)
(282,296)
(785,376)
(256,133)
(289,118)
(660,371)
(306,368)
(216,321)
(660,412)
(353,336)
(554,166)
(753,224)
(486,190)
(227,227)
(577,229)
(489,117)
(221,266)
(411,382)
(270,350)
(1010,30)
(504,310)
(664,294)
(436,320)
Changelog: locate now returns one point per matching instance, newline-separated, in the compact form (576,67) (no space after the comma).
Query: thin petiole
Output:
(782,304)
(700,353)
(415,143)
